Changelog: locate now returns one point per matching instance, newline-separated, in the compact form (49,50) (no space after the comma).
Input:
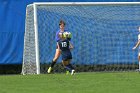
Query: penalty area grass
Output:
(89,82)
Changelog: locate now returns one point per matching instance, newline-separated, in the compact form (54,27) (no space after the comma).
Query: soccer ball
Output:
(67,34)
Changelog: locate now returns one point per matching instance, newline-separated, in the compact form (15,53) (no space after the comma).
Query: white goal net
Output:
(103,34)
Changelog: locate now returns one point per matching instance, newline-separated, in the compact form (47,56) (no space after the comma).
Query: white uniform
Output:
(139,46)
(139,51)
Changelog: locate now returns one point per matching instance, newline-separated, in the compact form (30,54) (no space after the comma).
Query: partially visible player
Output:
(65,46)
(57,38)
(137,45)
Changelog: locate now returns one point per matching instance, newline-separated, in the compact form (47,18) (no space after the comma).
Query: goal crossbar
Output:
(84,3)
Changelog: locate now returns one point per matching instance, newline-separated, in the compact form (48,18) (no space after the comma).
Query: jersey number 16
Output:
(64,44)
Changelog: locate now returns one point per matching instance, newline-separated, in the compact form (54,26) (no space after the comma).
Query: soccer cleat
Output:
(49,70)
(67,72)
(72,72)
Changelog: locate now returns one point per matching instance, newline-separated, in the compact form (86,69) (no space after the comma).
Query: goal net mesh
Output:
(103,35)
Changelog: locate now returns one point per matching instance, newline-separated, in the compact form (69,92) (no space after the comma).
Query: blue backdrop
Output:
(12,26)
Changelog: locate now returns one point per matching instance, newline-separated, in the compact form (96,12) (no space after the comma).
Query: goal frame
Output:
(35,4)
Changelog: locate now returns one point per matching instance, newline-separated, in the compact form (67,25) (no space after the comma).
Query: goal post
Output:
(31,64)
(36,40)
(103,34)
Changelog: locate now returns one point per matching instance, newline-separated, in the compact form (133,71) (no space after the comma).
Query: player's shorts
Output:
(66,56)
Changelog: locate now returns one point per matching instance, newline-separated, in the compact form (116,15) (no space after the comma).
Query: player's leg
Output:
(68,66)
(65,63)
(57,54)
(139,60)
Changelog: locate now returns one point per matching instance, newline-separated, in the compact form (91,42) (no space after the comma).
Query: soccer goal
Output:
(103,34)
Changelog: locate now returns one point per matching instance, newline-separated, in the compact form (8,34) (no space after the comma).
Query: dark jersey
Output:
(65,51)
(57,38)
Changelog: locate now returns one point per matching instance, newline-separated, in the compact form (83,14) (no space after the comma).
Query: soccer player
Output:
(137,44)
(65,47)
(58,52)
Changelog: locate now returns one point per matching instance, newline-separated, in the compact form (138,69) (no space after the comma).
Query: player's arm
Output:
(137,44)
(57,36)
(70,45)
(58,46)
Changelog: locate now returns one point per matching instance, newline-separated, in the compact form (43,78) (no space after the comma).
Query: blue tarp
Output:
(12,27)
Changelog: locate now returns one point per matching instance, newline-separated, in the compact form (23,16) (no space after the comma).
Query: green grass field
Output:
(94,82)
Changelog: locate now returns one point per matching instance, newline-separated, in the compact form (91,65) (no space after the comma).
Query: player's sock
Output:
(53,63)
(72,71)
(69,67)
(51,66)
